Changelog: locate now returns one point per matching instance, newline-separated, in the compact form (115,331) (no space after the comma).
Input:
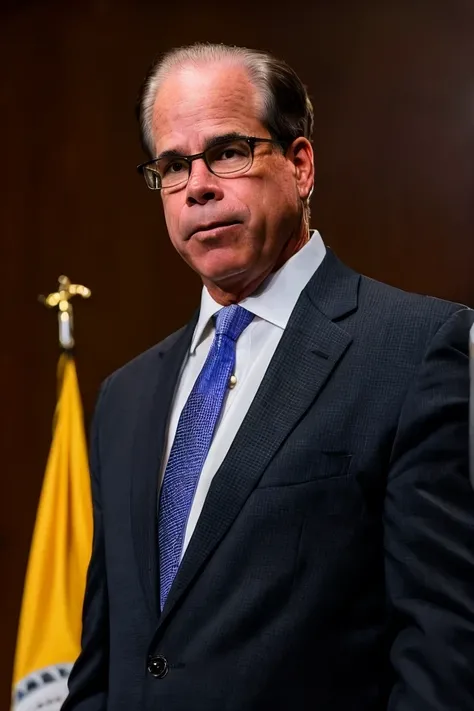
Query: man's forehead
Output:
(219,78)
(207,101)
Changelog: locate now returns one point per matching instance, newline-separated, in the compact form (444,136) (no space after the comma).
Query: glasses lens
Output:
(152,178)
(232,157)
(172,171)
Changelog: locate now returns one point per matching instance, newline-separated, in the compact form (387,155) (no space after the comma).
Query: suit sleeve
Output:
(429,533)
(89,676)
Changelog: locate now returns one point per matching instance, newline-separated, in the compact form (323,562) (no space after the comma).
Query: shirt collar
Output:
(276,298)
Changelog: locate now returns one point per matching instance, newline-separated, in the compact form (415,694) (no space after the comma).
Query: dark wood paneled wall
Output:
(392,83)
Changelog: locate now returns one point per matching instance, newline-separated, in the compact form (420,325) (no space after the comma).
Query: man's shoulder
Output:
(396,329)
(407,324)
(144,363)
(404,309)
(339,290)
(380,315)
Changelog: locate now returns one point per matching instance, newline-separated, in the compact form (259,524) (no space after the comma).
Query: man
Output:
(283,515)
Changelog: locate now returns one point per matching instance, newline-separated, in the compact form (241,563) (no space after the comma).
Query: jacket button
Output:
(158,666)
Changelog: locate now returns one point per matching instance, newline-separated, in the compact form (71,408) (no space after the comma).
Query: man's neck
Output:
(234,294)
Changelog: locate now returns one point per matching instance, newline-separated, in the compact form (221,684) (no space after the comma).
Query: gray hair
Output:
(287,109)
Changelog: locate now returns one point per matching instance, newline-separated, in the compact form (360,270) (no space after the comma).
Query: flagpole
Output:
(471,407)
(62,300)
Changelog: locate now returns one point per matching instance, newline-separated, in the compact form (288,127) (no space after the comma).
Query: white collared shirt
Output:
(272,305)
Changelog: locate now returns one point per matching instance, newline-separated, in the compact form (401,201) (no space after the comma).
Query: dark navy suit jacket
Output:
(332,567)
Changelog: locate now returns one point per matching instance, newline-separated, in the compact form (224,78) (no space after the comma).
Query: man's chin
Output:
(221,273)
(224,280)
(228,283)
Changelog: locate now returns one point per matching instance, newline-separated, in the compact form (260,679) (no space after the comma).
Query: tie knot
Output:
(232,320)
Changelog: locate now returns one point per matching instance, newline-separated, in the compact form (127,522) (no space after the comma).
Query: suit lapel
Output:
(156,397)
(307,354)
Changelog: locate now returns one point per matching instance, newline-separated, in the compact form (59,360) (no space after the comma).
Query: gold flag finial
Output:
(62,299)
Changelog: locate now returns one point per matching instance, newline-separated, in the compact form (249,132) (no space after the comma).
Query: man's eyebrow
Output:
(209,143)
(215,140)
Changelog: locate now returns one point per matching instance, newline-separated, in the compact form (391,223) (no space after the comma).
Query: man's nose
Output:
(202,185)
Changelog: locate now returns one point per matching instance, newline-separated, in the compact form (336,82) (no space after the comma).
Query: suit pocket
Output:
(288,470)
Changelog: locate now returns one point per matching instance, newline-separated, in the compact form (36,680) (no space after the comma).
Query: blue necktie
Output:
(193,439)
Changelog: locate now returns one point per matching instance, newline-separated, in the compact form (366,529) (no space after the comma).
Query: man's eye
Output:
(230,153)
(175,167)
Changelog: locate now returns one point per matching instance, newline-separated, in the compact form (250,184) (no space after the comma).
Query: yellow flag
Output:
(50,622)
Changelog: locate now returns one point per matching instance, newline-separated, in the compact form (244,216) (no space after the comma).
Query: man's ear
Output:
(301,154)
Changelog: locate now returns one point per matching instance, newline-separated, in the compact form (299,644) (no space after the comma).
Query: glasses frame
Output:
(251,140)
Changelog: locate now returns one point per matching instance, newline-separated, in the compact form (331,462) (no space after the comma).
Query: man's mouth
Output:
(214,226)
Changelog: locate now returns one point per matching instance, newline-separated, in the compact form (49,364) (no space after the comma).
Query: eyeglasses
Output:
(228,158)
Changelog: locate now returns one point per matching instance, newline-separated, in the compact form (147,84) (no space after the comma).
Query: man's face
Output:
(231,231)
